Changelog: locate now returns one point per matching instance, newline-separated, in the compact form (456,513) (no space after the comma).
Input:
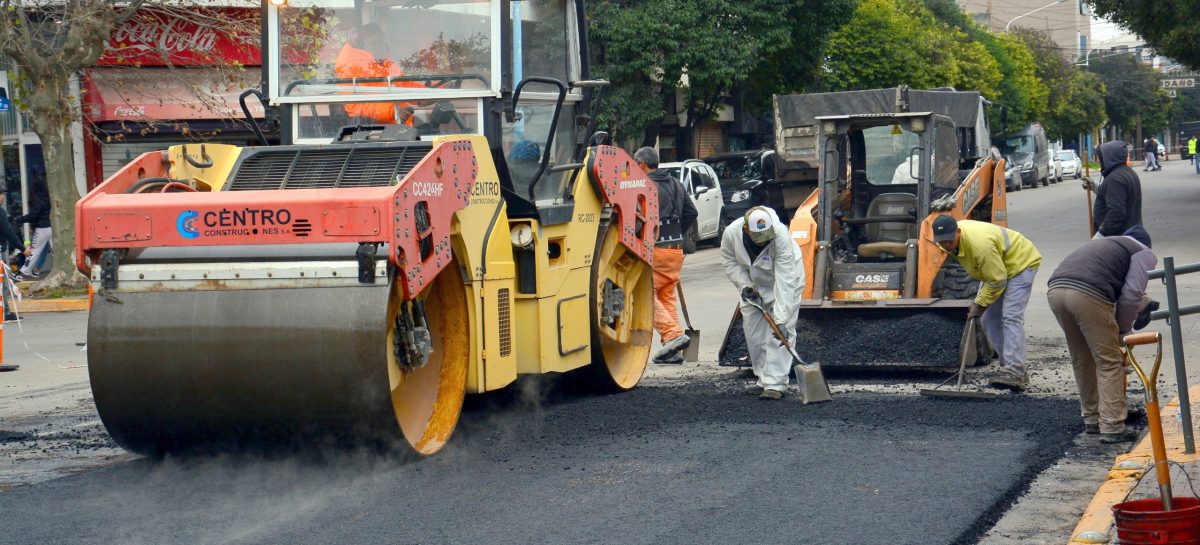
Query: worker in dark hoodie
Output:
(676,213)
(1119,196)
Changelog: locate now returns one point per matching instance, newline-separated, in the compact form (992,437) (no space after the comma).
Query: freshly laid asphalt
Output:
(690,463)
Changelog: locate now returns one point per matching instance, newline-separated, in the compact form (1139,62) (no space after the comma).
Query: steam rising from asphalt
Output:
(250,498)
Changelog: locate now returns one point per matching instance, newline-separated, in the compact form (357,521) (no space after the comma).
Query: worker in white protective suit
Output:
(764,264)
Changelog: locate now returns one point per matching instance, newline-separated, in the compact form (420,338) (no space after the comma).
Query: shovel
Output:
(967,353)
(1153,419)
(692,352)
(809,378)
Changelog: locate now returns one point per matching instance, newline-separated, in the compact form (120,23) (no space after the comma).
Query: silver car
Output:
(1071,164)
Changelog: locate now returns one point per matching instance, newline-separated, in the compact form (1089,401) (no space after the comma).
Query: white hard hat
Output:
(758,219)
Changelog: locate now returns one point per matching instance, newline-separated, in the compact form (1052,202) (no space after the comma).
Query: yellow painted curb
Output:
(64,304)
(1097,520)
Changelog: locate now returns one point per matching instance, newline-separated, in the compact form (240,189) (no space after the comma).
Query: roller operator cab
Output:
(439,219)
(878,290)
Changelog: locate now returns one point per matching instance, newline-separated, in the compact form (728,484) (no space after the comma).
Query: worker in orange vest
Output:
(366,57)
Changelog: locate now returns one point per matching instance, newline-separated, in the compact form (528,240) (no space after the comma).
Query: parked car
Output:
(1012,174)
(1030,149)
(747,179)
(1071,164)
(705,191)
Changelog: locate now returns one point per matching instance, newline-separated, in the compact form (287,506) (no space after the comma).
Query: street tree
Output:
(1019,89)
(888,43)
(1169,26)
(1075,99)
(1135,101)
(1186,106)
(930,44)
(53,40)
(706,49)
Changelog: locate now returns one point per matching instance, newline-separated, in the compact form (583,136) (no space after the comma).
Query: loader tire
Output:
(689,241)
(956,283)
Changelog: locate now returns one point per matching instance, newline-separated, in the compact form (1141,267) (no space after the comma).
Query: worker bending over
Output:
(675,213)
(1096,294)
(1005,262)
(764,264)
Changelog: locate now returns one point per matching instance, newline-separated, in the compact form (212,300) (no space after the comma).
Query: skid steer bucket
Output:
(914,333)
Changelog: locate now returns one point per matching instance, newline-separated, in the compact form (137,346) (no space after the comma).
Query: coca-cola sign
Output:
(201,37)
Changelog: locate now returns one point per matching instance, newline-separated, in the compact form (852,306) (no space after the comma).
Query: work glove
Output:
(975,310)
(1143,317)
(750,295)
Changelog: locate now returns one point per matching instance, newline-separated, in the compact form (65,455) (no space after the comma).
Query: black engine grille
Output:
(324,167)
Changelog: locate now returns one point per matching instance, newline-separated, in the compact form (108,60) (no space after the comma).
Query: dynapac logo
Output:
(186,224)
(872,278)
(633,184)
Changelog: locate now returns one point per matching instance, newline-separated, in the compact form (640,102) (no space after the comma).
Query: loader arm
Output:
(982,196)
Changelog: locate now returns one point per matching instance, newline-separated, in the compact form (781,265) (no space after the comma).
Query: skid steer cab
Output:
(878,291)
(439,217)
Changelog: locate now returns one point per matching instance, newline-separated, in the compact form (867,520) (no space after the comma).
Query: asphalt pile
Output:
(864,337)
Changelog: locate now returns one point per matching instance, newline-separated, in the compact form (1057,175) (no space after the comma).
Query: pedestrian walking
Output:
(1150,148)
(1005,262)
(676,213)
(10,243)
(1096,294)
(1118,203)
(764,264)
(38,218)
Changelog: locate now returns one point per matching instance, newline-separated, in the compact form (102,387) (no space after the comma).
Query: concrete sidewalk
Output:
(1096,524)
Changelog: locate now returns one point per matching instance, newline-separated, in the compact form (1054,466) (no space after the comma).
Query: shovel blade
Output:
(692,352)
(811,383)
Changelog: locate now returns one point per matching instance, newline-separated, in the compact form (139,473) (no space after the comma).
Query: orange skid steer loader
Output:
(878,291)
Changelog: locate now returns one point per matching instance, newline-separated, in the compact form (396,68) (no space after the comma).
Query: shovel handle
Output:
(683,306)
(1138,339)
(1091,220)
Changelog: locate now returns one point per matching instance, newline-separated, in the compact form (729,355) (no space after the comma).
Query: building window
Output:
(1083,9)
(1083,45)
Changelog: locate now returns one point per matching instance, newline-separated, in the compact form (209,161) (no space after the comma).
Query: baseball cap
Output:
(944,228)
(758,219)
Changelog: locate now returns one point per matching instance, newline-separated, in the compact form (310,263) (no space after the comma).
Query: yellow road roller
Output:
(438,217)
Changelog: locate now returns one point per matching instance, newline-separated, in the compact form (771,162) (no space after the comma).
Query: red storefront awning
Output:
(151,95)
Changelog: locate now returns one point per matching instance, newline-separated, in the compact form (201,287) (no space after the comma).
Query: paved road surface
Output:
(684,459)
(679,464)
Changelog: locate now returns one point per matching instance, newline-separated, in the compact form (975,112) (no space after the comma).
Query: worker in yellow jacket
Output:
(1005,262)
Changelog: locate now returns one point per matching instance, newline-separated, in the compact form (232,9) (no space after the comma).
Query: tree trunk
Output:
(1137,142)
(51,111)
(60,179)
